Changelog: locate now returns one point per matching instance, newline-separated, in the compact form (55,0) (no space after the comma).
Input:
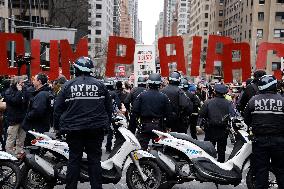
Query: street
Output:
(189,185)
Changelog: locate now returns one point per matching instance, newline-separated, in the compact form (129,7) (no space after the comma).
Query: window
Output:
(220,23)
(98,32)
(280,1)
(279,16)
(205,41)
(260,16)
(206,15)
(98,15)
(249,34)
(98,40)
(276,66)
(206,7)
(98,23)
(205,24)
(205,32)
(98,6)
(220,12)
(261,2)
(278,33)
(260,33)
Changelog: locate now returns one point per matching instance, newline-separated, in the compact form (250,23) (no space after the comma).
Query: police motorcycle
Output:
(184,159)
(10,173)
(46,162)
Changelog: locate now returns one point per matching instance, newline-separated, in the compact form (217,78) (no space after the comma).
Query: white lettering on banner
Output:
(268,105)
(84,91)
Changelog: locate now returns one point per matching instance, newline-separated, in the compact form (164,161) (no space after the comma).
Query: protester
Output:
(39,108)
(265,115)
(83,110)
(16,109)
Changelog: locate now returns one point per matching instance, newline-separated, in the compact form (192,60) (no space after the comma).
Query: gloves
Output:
(199,130)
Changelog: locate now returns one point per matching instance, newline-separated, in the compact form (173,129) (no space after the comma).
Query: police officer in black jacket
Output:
(191,119)
(181,105)
(265,115)
(83,110)
(250,90)
(128,102)
(213,111)
(151,107)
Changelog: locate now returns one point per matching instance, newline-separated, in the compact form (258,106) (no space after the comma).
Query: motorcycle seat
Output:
(205,145)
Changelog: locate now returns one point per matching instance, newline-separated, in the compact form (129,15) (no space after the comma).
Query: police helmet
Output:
(109,83)
(221,88)
(142,81)
(174,78)
(154,80)
(184,83)
(267,83)
(84,64)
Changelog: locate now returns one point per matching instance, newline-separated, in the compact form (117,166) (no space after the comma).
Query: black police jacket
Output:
(265,114)
(16,105)
(132,96)
(180,103)
(83,103)
(213,111)
(152,104)
(38,113)
(248,93)
(195,101)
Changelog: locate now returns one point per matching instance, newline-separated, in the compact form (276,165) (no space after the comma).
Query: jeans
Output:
(89,141)
(268,153)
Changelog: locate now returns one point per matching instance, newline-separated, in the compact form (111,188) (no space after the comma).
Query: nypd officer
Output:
(128,102)
(151,107)
(192,119)
(265,115)
(213,111)
(181,105)
(83,110)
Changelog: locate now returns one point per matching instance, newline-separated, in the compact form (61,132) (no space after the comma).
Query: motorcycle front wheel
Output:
(250,180)
(32,179)
(150,169)
(10,175)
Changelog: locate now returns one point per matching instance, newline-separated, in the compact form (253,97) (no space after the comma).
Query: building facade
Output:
(183,10)
(125,24)
(101,27)
(4,16)
(169,9)
(199,26)
(116,17)
(250,21)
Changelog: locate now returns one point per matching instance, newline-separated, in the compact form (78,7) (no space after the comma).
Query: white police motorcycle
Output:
(183,159)
(10,173)
(46,164)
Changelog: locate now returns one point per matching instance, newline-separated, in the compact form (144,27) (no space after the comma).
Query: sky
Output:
(148,13)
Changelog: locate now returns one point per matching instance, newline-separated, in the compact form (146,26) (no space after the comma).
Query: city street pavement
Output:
(189,185)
